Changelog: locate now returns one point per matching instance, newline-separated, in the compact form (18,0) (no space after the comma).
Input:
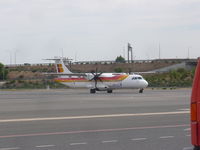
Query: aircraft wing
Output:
(65,74)
(148,72)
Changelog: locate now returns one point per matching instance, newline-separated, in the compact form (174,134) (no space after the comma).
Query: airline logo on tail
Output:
(60,68)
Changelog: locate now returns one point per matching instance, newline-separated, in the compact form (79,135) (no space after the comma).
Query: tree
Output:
(120,59)
(3,72)
(118,70)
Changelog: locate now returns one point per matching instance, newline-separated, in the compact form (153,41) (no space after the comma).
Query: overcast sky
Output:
(98,29)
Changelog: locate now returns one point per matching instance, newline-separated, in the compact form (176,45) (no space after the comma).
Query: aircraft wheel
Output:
(92,91)
(141,90)
(109,91)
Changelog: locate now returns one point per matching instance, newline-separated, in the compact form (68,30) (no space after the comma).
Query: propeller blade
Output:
(99,77)
(96,77)
(100,74)
(91,79)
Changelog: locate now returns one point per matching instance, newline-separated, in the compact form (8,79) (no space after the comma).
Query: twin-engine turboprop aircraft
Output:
(98,81)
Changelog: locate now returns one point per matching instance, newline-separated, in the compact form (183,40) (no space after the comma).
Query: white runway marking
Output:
(83,143)
(93,131)
(44,146)
(111,141)
(11,148)
(184,109)
(188,135)
(187,129)
(166,137)
(93,116)
(139,139)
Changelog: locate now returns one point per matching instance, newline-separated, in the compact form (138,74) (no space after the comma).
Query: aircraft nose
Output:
(145,83)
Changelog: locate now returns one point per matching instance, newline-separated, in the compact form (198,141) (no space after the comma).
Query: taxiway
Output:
(74,119)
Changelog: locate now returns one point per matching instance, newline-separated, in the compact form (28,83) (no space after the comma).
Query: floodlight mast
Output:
(130,53)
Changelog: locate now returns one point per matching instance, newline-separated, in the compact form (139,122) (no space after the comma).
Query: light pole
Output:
(159,52)
(15,54)
(10,56)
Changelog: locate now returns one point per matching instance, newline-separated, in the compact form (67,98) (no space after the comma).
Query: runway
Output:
(76,120)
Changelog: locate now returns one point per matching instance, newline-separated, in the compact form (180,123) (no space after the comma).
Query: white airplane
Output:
(97,81)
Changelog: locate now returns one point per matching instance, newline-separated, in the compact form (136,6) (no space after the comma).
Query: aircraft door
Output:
(116,85)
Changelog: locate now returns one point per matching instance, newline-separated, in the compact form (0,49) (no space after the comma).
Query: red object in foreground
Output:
(195,109)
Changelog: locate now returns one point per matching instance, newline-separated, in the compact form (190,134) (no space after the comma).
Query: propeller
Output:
(96,77)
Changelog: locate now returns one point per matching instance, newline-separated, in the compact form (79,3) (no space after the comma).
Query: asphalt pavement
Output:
(73,119)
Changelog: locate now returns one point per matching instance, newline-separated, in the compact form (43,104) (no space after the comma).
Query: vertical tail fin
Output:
(60,66)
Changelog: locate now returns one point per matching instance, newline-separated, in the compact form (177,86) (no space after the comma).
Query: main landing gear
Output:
(92,91)
(109,91)
(141,90)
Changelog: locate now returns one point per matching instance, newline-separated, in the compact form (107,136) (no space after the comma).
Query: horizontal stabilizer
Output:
(56,59)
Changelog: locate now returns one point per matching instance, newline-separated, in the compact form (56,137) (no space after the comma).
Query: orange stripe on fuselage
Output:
(70,80)
(104,79)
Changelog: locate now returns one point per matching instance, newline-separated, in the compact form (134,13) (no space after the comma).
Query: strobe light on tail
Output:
(96,81)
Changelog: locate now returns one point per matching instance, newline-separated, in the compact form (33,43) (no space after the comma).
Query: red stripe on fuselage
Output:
(78,79)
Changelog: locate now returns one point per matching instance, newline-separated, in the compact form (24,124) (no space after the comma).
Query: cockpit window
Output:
(137,78)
